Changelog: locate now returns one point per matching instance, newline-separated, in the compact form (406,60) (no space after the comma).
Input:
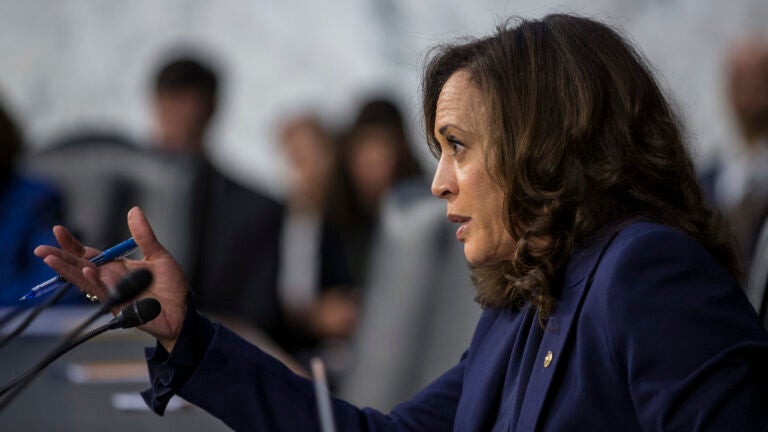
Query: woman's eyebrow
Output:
(446,126)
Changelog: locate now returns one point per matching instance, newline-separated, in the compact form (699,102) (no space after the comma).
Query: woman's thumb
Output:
(143,234)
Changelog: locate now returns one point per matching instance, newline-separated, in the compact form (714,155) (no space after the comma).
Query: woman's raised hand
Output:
(169,286)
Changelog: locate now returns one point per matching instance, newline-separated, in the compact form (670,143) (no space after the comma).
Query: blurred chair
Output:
(418,313)
(103,175)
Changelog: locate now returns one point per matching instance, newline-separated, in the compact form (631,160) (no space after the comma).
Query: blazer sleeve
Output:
(683,334)
(249,390)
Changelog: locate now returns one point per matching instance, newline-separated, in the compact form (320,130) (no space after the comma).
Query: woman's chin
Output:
(476,258)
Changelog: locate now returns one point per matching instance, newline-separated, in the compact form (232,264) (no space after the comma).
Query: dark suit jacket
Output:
(745,221)
(650,333)
(235,250)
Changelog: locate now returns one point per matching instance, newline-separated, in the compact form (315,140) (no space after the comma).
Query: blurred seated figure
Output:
(738,184)
(315,289)
(375,160)
(28,211)
(222,214)
(744,181)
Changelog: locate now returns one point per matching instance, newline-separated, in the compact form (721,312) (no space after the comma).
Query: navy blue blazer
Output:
(650,334)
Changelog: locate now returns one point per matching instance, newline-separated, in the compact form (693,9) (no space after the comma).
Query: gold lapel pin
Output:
(548,359)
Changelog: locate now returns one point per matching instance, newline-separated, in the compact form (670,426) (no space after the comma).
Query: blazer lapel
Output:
(484,378)
(551,352)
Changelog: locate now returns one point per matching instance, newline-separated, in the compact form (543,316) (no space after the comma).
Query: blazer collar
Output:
(551,352)
(484,377)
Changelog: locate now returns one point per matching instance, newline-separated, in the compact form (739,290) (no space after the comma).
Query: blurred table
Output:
(53,402)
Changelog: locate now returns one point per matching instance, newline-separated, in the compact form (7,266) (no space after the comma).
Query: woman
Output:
(374,164)
(319,302)
(610,295)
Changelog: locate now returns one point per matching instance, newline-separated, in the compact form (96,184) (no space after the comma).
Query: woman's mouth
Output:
(464,221)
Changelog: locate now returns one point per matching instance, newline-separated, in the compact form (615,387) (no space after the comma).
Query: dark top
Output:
(746,220)
(235,254)
(521,362)
(650,333)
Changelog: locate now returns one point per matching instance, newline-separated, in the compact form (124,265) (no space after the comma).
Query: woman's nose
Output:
(444,181)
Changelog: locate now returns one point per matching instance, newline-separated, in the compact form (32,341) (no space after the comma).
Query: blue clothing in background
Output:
(28,211)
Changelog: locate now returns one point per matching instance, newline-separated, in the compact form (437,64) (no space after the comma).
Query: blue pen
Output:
(117,251)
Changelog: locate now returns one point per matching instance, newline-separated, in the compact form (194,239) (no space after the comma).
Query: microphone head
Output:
(137,313)
(131,286)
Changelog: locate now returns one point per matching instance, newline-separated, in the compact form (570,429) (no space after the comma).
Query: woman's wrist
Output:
(171,339)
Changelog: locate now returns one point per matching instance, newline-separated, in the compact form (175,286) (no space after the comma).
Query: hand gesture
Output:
(169,286)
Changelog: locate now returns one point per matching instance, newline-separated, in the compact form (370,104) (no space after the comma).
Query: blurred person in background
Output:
(28,211)
(315,289)
(738,184)
(375,160)
(224,215)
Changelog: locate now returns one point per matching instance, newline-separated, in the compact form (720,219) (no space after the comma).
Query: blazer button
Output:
(548,359)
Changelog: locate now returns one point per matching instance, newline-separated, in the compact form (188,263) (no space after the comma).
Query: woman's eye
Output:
(456,146)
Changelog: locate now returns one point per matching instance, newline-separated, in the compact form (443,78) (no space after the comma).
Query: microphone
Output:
(135,314)
(125,290)
(128,288)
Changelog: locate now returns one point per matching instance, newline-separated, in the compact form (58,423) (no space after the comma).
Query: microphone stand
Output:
(131,286)
(32,315)
(30,375)
(15,311)
(137,313)
(56,354)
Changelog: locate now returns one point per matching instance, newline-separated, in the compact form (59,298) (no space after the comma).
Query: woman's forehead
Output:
(460,103)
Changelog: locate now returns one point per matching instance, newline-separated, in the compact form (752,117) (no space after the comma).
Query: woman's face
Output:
(474,199)
(372,164)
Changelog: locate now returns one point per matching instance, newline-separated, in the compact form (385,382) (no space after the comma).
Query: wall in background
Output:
(83,63)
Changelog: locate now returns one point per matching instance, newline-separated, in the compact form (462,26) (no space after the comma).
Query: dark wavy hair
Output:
(376,114)
(581,138)
(186,73)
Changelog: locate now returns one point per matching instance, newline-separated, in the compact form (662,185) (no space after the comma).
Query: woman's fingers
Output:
(89,252)
(68,242)
(144,236)
(95,285)
(45,251)
(70,272)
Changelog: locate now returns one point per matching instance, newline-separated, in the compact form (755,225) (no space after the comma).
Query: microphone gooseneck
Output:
(32,315)
(135,314)
(128,288)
